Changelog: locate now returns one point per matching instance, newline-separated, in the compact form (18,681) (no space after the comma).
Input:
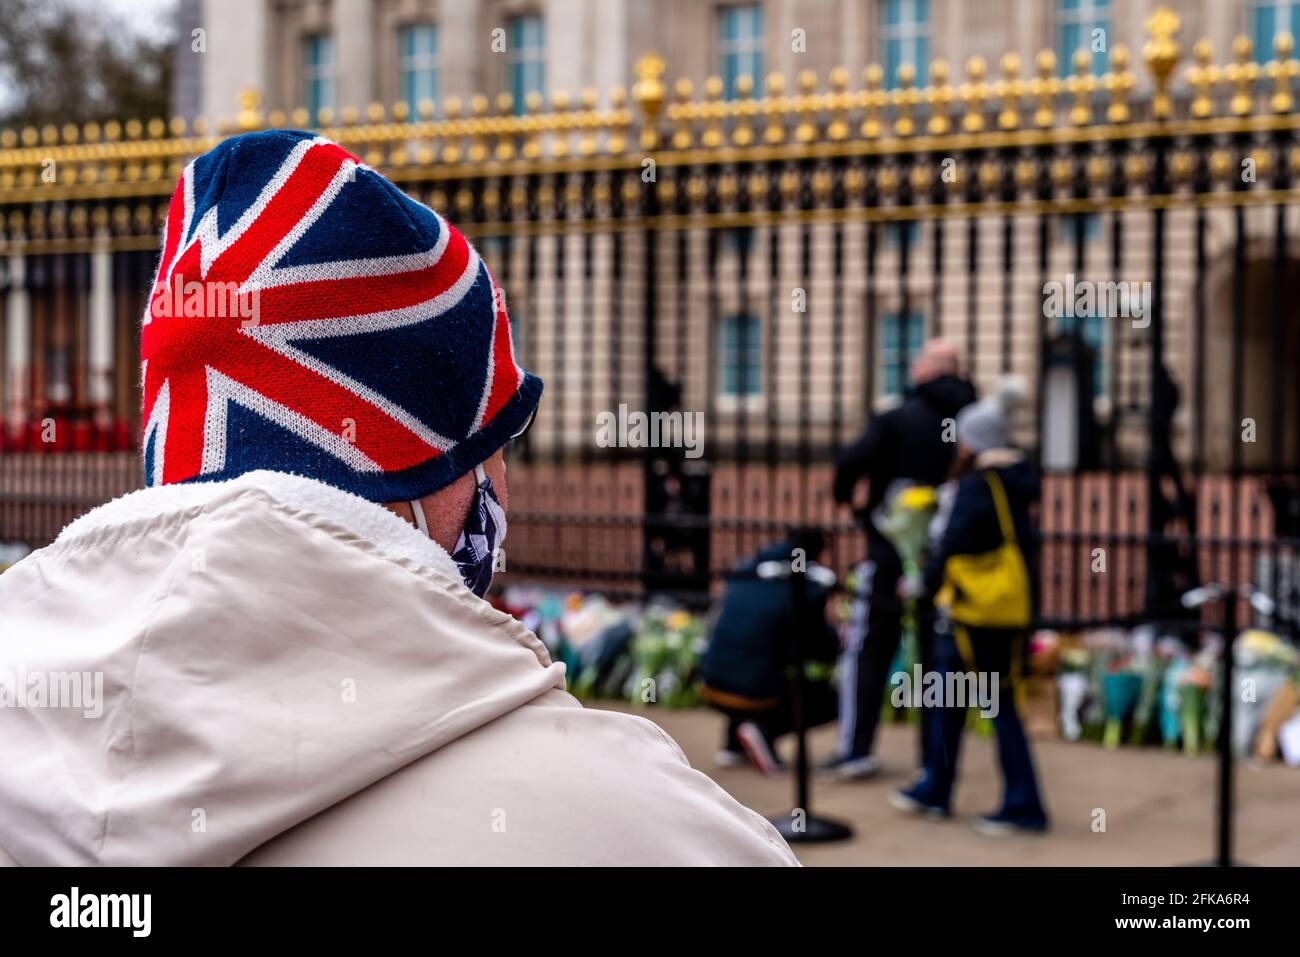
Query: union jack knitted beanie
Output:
(309,317)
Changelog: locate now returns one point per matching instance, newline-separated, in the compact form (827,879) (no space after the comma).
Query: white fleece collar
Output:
(374,523)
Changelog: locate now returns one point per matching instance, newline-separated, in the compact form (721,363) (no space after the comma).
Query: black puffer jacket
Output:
(904,443)
(749,648)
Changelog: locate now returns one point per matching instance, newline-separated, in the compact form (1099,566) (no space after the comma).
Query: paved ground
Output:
(1159,806)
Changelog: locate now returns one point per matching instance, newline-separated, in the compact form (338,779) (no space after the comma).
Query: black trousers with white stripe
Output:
(874,632)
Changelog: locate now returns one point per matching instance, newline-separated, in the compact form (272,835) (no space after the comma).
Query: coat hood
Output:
(253,652)
(946,394)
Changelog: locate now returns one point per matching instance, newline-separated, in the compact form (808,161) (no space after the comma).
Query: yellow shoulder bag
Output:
(991,589)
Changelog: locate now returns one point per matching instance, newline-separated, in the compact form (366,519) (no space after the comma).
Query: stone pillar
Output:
(236,59)
(18,342)
(100,351)
(354,46)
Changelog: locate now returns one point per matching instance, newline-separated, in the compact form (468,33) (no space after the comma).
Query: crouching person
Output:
(288,627)
(982,575)
(747,667)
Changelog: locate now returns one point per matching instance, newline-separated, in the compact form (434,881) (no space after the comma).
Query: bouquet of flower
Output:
(12,555)
(665,652)
(1072,687)
(903,517)
(1264,664)
(1121,686)
(1194,683)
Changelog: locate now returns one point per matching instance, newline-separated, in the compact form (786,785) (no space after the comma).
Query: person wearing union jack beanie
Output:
(286,624)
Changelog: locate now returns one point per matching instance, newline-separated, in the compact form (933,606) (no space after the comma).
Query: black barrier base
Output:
(797,829)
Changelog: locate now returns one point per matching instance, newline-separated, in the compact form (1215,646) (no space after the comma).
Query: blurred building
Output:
(338,54)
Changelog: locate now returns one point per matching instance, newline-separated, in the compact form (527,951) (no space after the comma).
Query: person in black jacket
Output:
(746,666)
(986,461)
(913,442)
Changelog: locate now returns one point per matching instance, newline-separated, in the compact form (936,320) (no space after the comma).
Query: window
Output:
(1065,227)
(318,75)
(1092,330)
(740,46)
(740,351)
(525,59)
(1268,18)
(739,241)
(900,341)
(1077,26)
(894,233)
(419,65)
(906,32)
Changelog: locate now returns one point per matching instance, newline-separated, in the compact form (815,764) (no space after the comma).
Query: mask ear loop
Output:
(418,512)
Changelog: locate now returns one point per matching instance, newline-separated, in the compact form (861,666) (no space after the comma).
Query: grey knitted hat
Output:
(986,424)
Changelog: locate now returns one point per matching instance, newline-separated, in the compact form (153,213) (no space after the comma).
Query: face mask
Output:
(484,531)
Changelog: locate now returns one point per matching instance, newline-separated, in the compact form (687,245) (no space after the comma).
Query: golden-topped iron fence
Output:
(1127,242)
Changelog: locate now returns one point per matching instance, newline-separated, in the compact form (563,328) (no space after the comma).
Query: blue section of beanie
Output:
(429,374)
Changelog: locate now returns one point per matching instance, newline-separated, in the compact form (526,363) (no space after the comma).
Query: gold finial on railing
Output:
(1010,89)
(874,99)
(1161,55)
(532,147)
(743,134)
(939,98)
(906,97)
(451,109)
(505,148)
(838,128)
(680,115)
(618,125)
(1282,71)
(1119,83)
(1080,84)
(649,95)
(250,109)
(713,107)
(1044,86)
(478,148)
(588,122)
(1242,75)
(973,93)
(806,131)
(560,104)
(774,130)
(1202,77)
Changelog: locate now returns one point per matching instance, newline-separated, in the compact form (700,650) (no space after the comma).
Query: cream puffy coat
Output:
(289,674)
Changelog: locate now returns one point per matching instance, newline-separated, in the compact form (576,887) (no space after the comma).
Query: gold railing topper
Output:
(966,108)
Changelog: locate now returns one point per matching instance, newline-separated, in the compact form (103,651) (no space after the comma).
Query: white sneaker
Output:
(855,769)
(726,758)
(757,749)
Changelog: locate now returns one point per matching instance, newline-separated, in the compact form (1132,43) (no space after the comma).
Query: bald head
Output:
(938,357)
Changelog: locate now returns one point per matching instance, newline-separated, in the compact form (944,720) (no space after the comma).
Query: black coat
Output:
(750,647)
(905,442)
